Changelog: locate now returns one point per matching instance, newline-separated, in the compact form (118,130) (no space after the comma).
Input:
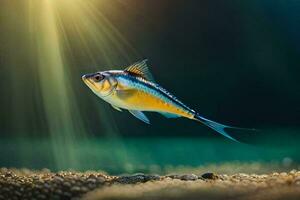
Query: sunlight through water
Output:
(54,28)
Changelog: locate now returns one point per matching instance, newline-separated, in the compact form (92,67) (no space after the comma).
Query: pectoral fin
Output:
(140,115)
(117,108)
(125,94)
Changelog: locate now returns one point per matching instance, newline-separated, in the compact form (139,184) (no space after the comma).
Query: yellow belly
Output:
(147,102)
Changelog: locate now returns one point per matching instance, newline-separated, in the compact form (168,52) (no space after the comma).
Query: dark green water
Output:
(128,155)
(235,62)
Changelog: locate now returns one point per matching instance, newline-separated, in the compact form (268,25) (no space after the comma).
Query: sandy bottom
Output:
(91,185)
(239,186)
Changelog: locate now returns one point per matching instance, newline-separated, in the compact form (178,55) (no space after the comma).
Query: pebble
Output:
(91,180)
(209,175)
(75,189)
(283,174)
(136,178)
(189,177)
(297,181)
(58,179)
(152,177)
(173,176)
(67,184)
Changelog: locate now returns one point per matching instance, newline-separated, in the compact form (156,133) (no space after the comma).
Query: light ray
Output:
(54,30)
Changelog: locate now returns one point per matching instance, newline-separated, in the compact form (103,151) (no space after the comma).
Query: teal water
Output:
(129,155)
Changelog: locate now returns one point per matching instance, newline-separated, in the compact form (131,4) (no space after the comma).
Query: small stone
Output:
(209,175)
(92,176)
(58,179)
(189,177)
(297,181)
(8,174)
(264,176)
(243,175)
(92,186)
(67,184)
(75,189)
(100,180)
(224,177)
(283,174)
(84,189)
(46,185)
(152,177)
(173,176)
(91,180)
(136,178)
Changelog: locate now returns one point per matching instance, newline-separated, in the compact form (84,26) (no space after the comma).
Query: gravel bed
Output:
(26,184)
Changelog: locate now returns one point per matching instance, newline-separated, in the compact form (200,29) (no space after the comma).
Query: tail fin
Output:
(220,128)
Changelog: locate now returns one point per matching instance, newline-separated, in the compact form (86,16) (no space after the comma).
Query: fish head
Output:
(102,84)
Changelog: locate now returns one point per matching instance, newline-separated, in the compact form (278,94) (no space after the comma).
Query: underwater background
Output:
(235,62)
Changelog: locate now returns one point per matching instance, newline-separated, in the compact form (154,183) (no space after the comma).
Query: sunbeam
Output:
(52,30)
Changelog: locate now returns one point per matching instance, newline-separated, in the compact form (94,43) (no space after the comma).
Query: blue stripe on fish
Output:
(147,86)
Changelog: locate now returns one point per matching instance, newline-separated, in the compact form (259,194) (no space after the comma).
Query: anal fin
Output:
(140,115)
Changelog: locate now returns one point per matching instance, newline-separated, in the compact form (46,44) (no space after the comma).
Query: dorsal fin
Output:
(140,68)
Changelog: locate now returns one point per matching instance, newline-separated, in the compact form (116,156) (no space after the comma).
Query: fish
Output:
(134,89)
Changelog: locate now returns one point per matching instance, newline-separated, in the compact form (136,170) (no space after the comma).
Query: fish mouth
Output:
(87,76)
(85,79)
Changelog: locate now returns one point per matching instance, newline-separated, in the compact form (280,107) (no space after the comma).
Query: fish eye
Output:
(98,77)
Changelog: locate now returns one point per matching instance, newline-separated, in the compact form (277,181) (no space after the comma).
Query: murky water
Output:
(156,155)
